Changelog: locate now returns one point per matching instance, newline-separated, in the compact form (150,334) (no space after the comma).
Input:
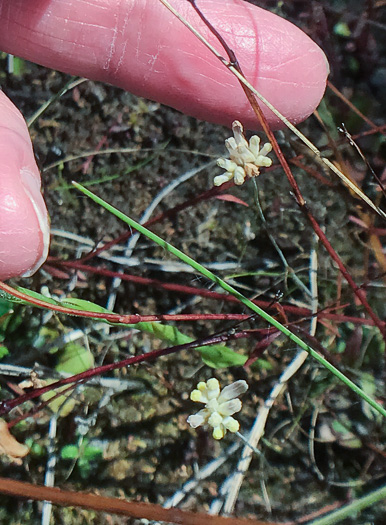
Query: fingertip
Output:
(281,61)
(24,225)
(276,57)
(141,47)
(292,71)
(31,185)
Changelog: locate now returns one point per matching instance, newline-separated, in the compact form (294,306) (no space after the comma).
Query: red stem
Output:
(209,294)
(8,405)
(119,318)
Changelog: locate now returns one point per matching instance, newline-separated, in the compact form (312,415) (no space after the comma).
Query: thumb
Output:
(24,228)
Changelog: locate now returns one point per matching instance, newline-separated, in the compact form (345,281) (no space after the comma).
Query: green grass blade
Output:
(352,508)
(225,286)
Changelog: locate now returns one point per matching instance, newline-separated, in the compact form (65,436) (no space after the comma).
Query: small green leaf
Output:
(339,428)
(6,314)
(82,304)
(262,364)
(342,29)
(34,448)
(92,453)
(368,384)
(344,436)
(31,293)
(5,307)
(69,452)
(63,404)
(18,67)
(3,351)
(74,359)
(215,356)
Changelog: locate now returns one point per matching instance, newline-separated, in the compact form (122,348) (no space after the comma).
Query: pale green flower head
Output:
(245,158)
(220,405)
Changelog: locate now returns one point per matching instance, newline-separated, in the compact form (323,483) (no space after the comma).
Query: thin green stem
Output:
(73,82)
(225,286)
(352,508)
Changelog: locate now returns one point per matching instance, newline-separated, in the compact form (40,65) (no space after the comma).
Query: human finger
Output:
(24,227)
(140,46)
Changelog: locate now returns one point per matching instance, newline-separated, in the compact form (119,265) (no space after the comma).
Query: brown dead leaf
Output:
(9,446)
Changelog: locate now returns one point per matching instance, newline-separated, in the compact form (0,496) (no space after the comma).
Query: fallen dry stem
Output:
(100,503)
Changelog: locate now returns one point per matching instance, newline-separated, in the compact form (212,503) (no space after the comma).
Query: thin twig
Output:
(130,319)
(353,108)
(7,405)
(115,383)
(210,294)
(71,84)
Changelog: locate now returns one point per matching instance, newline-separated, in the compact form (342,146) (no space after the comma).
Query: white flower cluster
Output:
(245,158)
(219,406)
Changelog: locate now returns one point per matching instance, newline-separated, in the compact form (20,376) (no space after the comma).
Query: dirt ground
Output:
(136,443)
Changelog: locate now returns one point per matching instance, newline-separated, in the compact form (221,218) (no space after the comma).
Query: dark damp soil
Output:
(135,443)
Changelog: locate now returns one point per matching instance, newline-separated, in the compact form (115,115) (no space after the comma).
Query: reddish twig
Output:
(8,405)
(132,509)
(377,129)
(43,404)
(312,171)
(209,294)
(118,318)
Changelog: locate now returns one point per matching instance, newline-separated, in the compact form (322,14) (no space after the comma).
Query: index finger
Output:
(141,47)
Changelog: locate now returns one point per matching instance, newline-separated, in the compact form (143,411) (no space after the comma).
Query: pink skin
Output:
(24,226)
(140,46)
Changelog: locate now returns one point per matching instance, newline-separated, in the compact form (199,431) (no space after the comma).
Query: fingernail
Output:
(31,184)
